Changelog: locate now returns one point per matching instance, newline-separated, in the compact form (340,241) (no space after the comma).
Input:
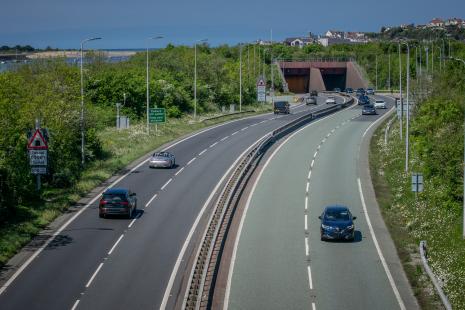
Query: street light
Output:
(408,109)
(400,92)
(240,77)
(82,100)
(195,76)
(463,223)
(147,86)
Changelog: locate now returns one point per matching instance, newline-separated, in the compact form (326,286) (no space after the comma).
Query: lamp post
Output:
(82,99)
(408,109)
(147,80)
(195,76)
(400,91)
(240,77)
(463,223)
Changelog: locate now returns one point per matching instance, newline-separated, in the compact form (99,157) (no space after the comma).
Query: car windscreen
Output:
(369,106)
(337,215)
(379,101)
(114,198)
(280,104)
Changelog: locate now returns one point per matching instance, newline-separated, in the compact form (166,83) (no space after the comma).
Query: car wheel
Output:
(101,215)
(322,238)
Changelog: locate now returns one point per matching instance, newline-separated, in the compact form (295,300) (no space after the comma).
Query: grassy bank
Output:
(413,218)
(120,147)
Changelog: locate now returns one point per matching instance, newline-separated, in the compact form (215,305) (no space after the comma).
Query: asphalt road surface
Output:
(99,263)
(280,261)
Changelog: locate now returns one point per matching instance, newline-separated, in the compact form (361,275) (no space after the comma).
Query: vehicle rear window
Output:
(114,198)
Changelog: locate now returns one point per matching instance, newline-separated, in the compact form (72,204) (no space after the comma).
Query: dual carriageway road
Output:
(94,263)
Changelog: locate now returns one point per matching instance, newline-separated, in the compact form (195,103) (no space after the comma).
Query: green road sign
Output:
(157,115)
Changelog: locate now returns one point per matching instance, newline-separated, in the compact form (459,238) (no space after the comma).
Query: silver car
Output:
(162,160)
(331,100)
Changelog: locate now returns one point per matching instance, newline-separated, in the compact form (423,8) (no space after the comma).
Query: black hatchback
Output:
(117,201)
(369,109)
(337,223)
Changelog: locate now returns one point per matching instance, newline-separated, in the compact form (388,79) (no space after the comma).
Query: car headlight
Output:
(325,226)
(350,227)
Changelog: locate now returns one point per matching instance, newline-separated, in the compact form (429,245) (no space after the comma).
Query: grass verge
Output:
(122,147)
(412,218)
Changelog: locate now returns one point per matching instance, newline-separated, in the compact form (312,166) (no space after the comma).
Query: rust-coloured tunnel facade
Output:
(304,76)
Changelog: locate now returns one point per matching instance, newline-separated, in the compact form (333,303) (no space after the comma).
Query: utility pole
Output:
(376,72)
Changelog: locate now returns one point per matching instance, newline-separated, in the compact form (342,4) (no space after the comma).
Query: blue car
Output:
(363,99)
(337,223)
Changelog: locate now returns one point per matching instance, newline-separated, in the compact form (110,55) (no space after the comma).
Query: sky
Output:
(126,24)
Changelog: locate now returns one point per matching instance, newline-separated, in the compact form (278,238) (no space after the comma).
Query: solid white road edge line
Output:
(378,249)
(241,224)
(94,275)
(39,250)
(116,244)
(194,227)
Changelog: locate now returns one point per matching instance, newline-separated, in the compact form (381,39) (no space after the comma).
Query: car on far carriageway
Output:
(331,100)
(310,100)
(370,91)
(380,104)
(117,201)
(369,109)
(337,223)
(162,160)
(349,90)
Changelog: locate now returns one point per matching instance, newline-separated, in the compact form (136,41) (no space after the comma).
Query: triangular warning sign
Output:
(261,82)
(37,142)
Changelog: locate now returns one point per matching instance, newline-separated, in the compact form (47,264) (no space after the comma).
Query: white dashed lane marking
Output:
(224,138)
(166,184)
(179,171)
(191,161)
(203,152)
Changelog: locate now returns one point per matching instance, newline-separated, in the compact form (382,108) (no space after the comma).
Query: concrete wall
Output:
(316,80)
(354,78)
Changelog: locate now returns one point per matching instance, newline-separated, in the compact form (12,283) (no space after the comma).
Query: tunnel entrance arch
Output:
(320,75)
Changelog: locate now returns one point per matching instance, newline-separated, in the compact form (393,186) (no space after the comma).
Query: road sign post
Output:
(261,90)
(417,183)
(38,153)
(157,116)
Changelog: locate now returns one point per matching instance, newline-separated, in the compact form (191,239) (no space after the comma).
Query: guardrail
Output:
(437,286)
(203,274)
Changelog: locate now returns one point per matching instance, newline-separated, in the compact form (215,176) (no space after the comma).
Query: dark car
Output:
(337,223)
(363,99)
(281,107)
(337,89)
(314,93)
(117,201)
(349,90)
(369,109)
(360,91)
